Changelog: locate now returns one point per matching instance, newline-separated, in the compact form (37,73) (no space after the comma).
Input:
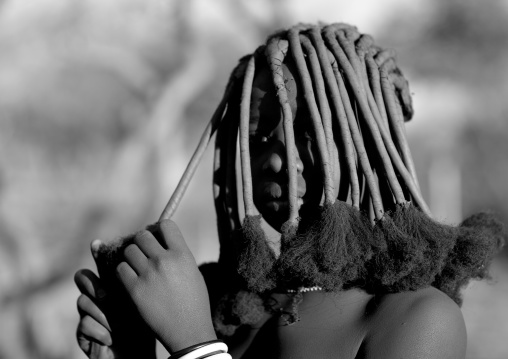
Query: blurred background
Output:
(103,102)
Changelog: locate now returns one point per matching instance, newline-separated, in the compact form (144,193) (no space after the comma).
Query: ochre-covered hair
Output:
(379,236)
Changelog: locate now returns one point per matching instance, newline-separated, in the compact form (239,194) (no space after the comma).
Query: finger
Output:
(89,284)
(126,275)
(135,258)
(94,350)
(172,236)
(84,343)
(98,351)
(87,307)
(95,247)
(148,244)
(89,328)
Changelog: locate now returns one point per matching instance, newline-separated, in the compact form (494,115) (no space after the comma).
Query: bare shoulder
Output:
(415,325)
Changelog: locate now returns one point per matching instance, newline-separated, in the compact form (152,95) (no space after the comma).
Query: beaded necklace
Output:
(291,317)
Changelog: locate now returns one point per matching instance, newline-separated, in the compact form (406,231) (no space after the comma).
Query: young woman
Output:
(361,270)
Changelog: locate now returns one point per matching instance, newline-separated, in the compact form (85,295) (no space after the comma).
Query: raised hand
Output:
(162,279)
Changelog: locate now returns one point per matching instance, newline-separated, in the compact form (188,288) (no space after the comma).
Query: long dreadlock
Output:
(384,240)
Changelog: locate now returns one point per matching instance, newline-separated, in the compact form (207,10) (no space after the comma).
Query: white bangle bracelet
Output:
(221,356)
(207,349)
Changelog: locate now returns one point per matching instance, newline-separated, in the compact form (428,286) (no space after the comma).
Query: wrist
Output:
(190,339)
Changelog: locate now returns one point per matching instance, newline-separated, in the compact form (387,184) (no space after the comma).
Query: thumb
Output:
(95,247)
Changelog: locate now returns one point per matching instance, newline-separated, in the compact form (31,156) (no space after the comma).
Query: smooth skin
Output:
(171,297)
(424,324)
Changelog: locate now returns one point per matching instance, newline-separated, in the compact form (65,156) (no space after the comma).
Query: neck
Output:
(350,303)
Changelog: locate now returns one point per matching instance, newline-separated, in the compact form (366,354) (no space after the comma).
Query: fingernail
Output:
(94,246)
